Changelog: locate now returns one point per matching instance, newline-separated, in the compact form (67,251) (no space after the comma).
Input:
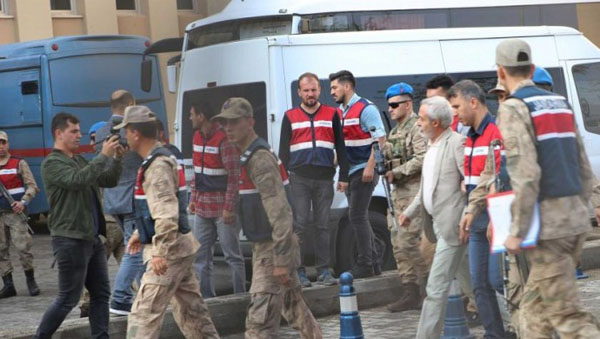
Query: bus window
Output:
(587,82)
(89,80)
(255,93)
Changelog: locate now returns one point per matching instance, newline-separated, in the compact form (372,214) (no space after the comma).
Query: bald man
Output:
(118,202)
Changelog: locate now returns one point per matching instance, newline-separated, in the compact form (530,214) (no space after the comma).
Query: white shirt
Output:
(428,171)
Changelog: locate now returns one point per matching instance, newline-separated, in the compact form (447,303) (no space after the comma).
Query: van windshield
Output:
(587,82)
(89,80)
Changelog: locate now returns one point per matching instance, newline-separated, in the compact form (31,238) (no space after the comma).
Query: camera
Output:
(117,132)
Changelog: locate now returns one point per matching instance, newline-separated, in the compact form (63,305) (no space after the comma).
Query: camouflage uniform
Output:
(550,299)
(270,299)
(405,150)
(13,228)
(179,284)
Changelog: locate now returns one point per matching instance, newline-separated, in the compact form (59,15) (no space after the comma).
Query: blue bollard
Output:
(455,324)
(350,326)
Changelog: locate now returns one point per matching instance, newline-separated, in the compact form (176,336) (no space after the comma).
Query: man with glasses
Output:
(404,153)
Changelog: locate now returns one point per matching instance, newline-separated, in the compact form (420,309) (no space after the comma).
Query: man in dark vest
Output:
(267,221)
(169,248)
(311,137)
(547,164)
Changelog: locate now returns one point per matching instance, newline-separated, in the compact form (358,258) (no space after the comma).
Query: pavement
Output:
(23,313)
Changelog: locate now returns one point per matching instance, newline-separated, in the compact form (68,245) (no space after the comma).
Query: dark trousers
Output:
(359,197)
(80,263)
(317,194)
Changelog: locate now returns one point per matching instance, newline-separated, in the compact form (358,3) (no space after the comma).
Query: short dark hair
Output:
(443,80)
(204,107)
(343,76)
(468,89)
(308,75)
(121,101)
(146,129)
(61,121)
(518,71)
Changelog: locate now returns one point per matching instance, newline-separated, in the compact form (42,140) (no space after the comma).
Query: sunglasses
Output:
(396,104)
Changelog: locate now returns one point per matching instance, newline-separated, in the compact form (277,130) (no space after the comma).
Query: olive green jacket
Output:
(69,181)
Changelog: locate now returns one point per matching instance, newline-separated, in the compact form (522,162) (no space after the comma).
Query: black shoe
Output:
(83,312)
(9,287)
(360,271)
(31,284)
(376,269)
(473,319)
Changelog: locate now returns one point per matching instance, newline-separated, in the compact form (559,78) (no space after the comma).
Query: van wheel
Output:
(346,245)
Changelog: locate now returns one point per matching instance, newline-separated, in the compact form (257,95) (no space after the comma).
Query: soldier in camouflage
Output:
(547,164)
(267,222)
(404,152)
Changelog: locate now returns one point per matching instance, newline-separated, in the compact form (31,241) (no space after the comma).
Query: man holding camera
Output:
(118,202)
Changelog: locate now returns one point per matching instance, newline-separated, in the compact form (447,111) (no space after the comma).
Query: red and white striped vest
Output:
(210,173)
(312,140)
(9,175)
(358,142)
(477,150)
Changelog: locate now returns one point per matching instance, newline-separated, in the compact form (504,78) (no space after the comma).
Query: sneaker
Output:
(303,278)
(360,271)
(473,319)
(326,278)
(120,309)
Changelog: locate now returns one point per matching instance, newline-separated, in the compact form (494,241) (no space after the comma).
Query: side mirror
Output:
(172,78)
(146,71)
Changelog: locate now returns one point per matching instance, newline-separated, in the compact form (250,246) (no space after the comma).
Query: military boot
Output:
(31,284)
(9,287)
(411,299)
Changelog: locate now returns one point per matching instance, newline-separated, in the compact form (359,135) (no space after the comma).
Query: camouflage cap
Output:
(499,88)
(136,114)
(3,136)
(235,108)
(513,52)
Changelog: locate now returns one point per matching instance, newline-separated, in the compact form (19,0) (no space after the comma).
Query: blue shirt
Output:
(370,117)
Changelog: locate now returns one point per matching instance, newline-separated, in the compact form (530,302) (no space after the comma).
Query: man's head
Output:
(500,92)
(435,116)
(468,102)
(439,85)
(542,79)
(399,98)
(237,117)
(342,86)
(140,125)
(160,132)
(513,58)
(92,132)
(119,100)
(66,132)
(200,113)
(309,89)
(4,145)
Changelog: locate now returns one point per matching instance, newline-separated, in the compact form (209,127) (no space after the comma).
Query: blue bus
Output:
(74,74)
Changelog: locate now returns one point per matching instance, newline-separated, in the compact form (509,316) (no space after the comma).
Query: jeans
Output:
(206,230)
(359,197)
(317,194)
(131,267)
(80,263)
(480,267)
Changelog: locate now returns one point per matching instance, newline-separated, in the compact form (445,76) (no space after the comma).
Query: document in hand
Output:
(500,217)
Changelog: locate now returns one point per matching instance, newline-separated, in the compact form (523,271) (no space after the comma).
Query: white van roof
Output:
(242,9)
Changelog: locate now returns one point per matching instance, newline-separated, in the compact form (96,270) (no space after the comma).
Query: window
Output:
(255,92)
(587,82)
(61,5)
(186,5)
(127,5)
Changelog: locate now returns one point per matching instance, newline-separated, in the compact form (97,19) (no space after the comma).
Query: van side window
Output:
(255,92)
(587,82)
(20,97)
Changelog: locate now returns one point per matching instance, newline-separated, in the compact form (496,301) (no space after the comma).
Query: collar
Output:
(442,136)
(215,126)
(407,119)
(352,101)
(523,83)
(487,119)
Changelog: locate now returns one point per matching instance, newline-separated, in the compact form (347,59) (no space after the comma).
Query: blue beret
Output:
(542,77)
(399,89)
(95,127)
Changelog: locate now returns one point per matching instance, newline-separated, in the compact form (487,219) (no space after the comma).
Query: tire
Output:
(346,251)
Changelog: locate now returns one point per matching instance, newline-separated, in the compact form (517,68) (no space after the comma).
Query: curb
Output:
(229,312)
